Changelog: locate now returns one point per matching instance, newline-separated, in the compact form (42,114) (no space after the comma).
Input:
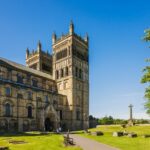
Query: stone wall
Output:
(19,96)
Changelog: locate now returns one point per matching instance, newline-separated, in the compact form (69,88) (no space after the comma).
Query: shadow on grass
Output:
(17,134)
(77,132)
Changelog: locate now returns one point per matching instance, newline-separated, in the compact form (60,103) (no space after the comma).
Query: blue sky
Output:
(117,52)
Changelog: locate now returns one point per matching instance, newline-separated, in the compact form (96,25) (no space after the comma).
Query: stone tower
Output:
(71,72)
(39,60)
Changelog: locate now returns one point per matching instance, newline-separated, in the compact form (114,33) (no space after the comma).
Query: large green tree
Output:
(146,76)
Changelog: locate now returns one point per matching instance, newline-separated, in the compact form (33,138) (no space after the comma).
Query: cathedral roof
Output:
(25,68)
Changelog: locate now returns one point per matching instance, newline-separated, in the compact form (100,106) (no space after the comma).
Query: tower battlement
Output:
(71,32)
(39,59)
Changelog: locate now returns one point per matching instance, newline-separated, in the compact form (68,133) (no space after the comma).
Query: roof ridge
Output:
(26,68)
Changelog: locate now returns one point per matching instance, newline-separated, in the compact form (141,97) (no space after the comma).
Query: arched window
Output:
(80,73)
(67,72)
(46,98)
(29,112)
(61,114)
(7,91)
(78,115)
(7,110)
(76,71)
(34,83)
(19,79)
(57,74)
(62,73)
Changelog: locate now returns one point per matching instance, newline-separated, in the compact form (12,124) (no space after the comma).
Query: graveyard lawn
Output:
(124,142)
(35,141)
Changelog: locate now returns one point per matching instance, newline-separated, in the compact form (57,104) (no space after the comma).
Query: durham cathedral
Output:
(51,91)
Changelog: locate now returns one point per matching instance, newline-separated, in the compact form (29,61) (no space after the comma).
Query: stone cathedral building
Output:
(50,91)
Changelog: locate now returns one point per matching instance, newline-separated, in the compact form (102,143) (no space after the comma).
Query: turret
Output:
(54,37)
(39,59)
(39,46)
(86,39)
(27,53)
(71,28)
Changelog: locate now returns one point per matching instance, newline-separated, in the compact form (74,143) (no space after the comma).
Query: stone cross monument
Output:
(130,122)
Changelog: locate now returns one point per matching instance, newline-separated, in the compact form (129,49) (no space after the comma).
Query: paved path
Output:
(89,144)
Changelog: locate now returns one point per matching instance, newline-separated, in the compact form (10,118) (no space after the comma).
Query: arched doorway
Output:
(49,125)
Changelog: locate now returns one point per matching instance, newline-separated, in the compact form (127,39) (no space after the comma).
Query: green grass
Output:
(35,141)
(123,143)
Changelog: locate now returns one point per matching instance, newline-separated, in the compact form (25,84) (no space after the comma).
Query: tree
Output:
(93,121)
(106,120)
(146,76)
(147,35)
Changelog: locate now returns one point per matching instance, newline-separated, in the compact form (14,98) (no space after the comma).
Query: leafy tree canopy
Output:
(146,76)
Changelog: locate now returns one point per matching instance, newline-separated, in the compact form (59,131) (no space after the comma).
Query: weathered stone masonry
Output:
(51,91)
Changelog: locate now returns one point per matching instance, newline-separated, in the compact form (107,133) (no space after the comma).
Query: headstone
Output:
(123,125)
(125,133)
(132,135)
(146,136)
(87,131)
(97,133)
(4,148)
(117,134)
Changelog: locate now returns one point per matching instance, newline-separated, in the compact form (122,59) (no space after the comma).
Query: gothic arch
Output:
(30,104)
(29,110)
(8,108)
(8,101)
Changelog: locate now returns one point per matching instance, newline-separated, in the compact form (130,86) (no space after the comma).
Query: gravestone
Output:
(87,131)
(117,134)
(146,136)
(132,135)
(4,148)
(97,133)
(125,133)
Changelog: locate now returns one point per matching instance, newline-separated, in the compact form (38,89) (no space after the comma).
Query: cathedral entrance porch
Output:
(51,118)
(49,125)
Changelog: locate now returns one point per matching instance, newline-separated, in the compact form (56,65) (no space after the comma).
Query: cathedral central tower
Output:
(71,72)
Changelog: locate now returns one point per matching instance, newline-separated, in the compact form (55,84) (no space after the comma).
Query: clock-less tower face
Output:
(71,72)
